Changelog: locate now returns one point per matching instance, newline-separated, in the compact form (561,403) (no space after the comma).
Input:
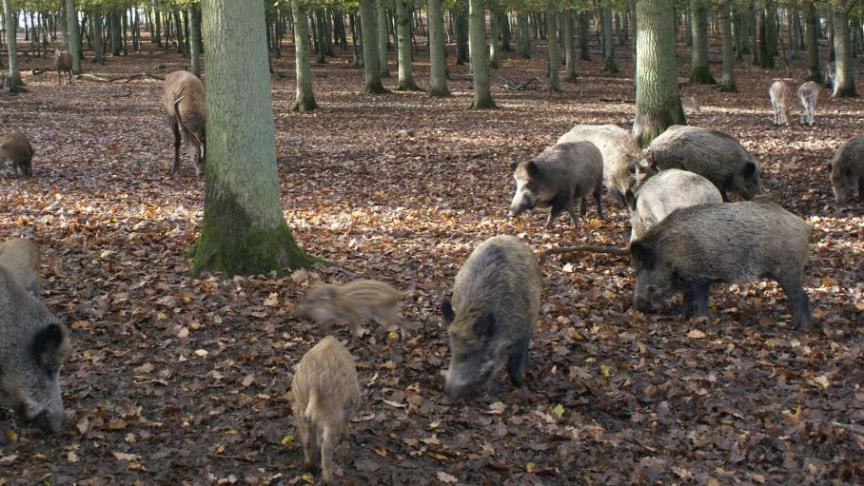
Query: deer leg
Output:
(175,127)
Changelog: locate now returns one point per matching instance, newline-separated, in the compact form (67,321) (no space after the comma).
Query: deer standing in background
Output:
(63,64)
(781,101)
(808,94)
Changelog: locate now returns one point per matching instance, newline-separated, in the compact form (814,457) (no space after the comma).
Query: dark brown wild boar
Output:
(847,170)
(184,101)
(16,148)
(326,394)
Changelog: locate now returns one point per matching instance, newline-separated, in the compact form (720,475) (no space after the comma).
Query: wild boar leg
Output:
(309,437)
(556,210)
(517,363)
(598,198)
(696,298)
(175,127)
(861,189)
(327,445)
(798,301)
(573,216)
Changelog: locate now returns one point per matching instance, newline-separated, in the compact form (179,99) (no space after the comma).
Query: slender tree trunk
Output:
(460,10)
(194,15)
(479,54)
(114,31)
(844,80)
(243,230)
(608,43)
(727,83)
(305,100)
(403,33)
(96,34)
(569,55)
(74,36)
(584,36)
(494,31)
(814,70)
(13,83)
(437,50)
(506,34)
(554,55)
(369,31)
(658,103)
(381,25)
(523,36)
(699,71)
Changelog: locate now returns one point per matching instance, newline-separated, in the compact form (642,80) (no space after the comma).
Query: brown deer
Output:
(183,99)
(808,94)
(781,101)
(63,64)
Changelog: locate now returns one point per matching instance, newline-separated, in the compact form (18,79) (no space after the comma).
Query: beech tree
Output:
(479,54)
(844,78)
(10,18)
(305,99)
(371,67)
(699,71)
(437,51)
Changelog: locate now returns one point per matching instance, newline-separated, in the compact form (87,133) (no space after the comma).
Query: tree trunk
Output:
(73,35)
(437,50)
(305,100)
(844,80)
(584,36)
(369,31)
(96,34)
(522,34)
(383,41)
(195,41)
(727,83)
(243,230)
(658,103)
(479,54)
(460,11)
(403,46)
(494,30)
(814,70)
(504,22)
(699,71)
(114,31)
(13,83)
(569,57)
(554,57)
(608,43)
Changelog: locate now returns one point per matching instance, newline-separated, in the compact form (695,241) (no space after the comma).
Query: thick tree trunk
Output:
(554,57)
(10,19)
(569,57)
(699,71)
(522,34)
(814,70)
(727,83)
(194,14)
(369,31)
(381,28)
(479,54)
(844,79)
(437,50)
(403,32)
(74,36)
(243,230)
(305,100)
(658,103)
(608,43)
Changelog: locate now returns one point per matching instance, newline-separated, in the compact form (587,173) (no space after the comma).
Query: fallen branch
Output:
(512,86)
(114,79)
(122,95)
(589,248)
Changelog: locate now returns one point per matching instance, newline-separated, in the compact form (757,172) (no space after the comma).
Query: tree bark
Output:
(523,36)
(194,39)
(569,57)
(494,31)
(305,99)
(727,83)
(584,37)
(699,71)
(403,32)
(96,34)
(608,43)
(74,36)
(115,32)
(243,230)
(460,25)
(658,102)
(479,55)
(554,57)
(437,51)
(13,83)
(814,70)
(844,79)
(381,25)
(369,32)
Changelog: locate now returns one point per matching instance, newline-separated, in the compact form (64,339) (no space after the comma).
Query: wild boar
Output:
(184,100)
(732,242)
(33,344)
(665,192)
(326,394)
(710,153)
(808,95)
(20,257)
(620,152)
(355,303)
(16,148)
(63,64)
(495,301)
(847,170)
(559,177)
(781,101)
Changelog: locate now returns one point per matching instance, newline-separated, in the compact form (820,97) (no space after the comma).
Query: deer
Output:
(808,94)
(63,64)
(781,101)
(183,99)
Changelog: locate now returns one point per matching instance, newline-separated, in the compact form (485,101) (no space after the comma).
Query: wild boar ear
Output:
(630,197)
(532,168)
(643,255)
(485,326)
(748,169)
(49,346)
(447,311)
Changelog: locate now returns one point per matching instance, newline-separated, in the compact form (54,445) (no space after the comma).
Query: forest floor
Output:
(177,378)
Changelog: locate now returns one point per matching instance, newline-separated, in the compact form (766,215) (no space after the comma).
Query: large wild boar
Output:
(847,170)
(354,303)
(63,65)
(183,99)
(326,394)
(620,152)
(710,153)
(665,192)
(32,347)
(16,148)
(495,301)
(20,257)
(728,242)
(559,177)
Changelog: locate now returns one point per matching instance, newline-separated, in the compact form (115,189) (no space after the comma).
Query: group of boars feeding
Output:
(684,237)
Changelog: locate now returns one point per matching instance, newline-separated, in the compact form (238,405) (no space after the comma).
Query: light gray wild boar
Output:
(184,100)
(495,301)
(32,347)
(326,394)
(559,177)
(781,101)
(63,65)
(355,303)
(665,192)
(808,95)
(710,153)
(16,148)
(620,152)
(731,242)
(847,170)
(20,257)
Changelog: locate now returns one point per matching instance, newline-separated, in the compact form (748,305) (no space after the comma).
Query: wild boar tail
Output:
(311,406)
